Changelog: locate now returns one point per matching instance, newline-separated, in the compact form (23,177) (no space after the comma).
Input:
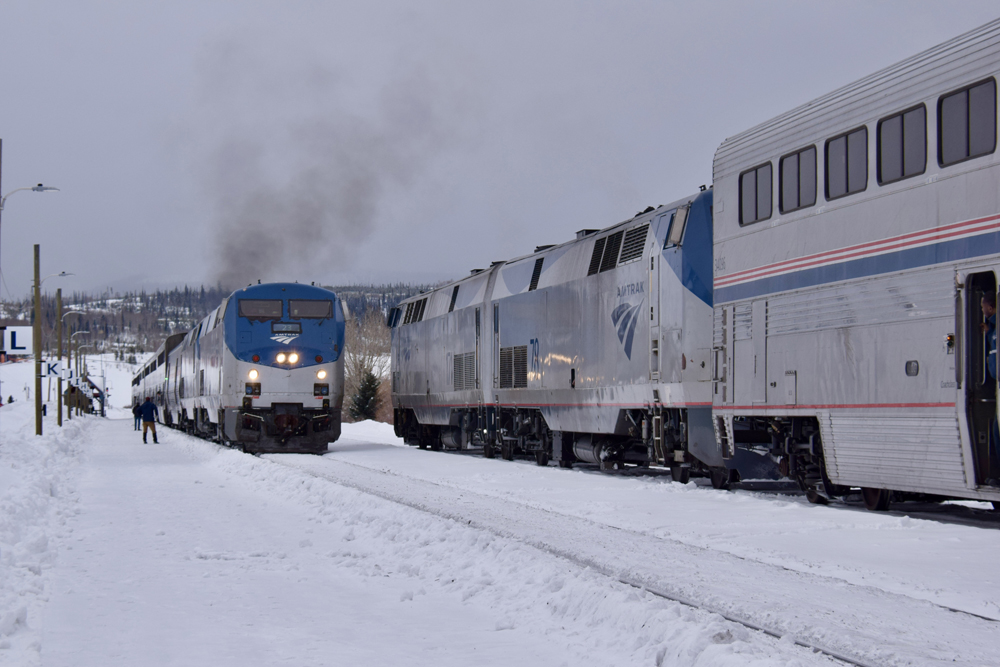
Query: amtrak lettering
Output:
(631,289)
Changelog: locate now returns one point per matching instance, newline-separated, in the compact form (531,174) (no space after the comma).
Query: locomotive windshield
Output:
(260,309)
(315,309)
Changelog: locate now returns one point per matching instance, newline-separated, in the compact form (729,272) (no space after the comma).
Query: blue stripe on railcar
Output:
(901,260)
(265,338)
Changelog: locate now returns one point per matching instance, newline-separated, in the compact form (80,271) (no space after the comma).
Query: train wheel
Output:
(421,444)
(877,500)
(563,463)
(723,478)
(680,474)
(488,451)
(507,451)
(815,497)
(542,458)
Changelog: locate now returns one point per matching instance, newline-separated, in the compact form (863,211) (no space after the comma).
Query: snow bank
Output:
(36,497)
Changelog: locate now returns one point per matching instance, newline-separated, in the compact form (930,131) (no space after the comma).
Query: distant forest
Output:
(133,323)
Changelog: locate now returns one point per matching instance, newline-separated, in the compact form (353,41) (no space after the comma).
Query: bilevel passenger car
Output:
(855,237)
(597,350)
(263,372)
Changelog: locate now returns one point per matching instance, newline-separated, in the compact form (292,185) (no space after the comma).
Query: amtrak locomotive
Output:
(596,350)
(263,372)
(840,327)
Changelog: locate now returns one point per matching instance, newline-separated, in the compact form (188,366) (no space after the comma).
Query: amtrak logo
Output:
(625,317)
(284,339)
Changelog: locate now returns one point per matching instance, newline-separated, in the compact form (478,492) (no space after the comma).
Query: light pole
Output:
(69,411)
(36,334)
(83,369)
(59,325)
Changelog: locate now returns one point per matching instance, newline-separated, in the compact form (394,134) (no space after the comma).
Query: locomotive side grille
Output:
(454,295)
(520,366)
(632,246)
(614,244)
(464,373)
(536,274)
(513,367)
(595,259)
(506,367)
(409,313)
(719,328)
(743,322)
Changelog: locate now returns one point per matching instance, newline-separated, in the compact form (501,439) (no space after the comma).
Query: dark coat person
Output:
(149,413)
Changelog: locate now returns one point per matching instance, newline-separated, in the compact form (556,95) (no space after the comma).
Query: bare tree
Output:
(366,350)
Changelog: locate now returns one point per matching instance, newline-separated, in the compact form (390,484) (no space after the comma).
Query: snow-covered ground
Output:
(114,552)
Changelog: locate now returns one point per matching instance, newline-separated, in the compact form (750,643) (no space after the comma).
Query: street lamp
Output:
(69,412)
(61,274)
(59,327)
(82,368)
(33,188)
(37,332)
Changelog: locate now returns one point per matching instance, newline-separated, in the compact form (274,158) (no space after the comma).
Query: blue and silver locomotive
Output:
(597,350)
(263,372)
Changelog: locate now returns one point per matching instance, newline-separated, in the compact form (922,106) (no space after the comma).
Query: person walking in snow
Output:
(137,413)
(149,414)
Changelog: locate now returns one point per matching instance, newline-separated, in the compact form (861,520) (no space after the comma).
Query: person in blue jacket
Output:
(149,414)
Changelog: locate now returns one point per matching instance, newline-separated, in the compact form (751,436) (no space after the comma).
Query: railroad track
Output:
(776,601)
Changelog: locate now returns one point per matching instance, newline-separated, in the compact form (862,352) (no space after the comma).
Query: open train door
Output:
(980,387)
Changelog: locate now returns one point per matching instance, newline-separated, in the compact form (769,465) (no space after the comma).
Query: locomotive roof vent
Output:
(648,209)
(475,271)
(586,232)
(539,248)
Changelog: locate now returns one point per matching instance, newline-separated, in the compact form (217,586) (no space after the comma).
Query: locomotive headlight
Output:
(293,358)
(321,374)
(281,357)
(252,374)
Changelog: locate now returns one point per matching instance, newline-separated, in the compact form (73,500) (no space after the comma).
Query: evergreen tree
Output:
(364,403)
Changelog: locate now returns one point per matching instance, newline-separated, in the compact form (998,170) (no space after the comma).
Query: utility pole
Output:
(37,335)
(69,365)
(59,315)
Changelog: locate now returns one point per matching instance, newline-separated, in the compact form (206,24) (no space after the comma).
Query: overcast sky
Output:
(381,141)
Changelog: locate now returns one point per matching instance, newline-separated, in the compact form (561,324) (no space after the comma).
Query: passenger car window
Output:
(755,194)
(847,164)
(967,123)
(798,180)
(902,145)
